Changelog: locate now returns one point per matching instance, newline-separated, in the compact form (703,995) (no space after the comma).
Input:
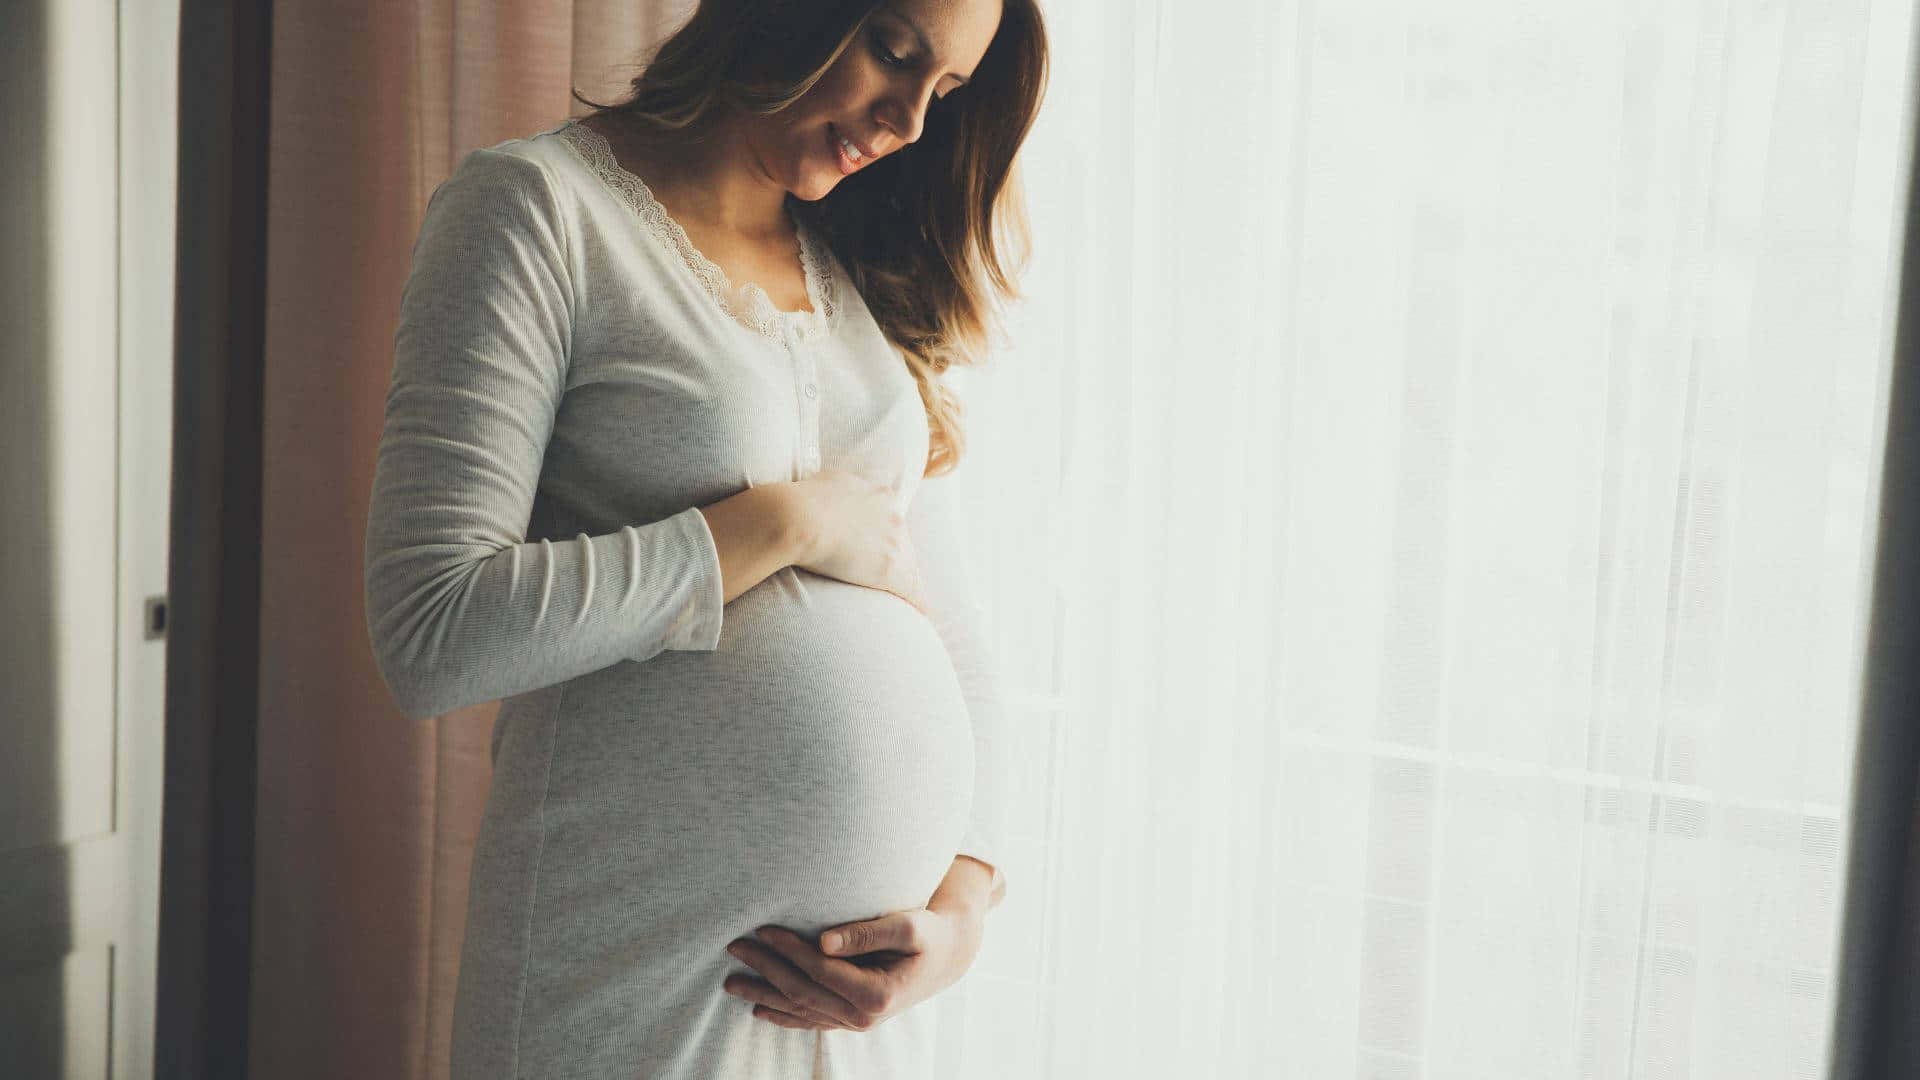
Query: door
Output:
(86,234)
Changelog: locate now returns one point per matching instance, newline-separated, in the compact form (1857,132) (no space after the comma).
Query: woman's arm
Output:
(955,611)
(756,532)
(967,887)
(461,608)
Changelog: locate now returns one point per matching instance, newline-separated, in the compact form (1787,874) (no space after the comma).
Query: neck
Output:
(711,178)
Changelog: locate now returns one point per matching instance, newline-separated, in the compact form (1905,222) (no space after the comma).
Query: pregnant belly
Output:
(815,768)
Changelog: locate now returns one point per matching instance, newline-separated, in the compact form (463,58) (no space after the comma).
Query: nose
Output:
(903,115)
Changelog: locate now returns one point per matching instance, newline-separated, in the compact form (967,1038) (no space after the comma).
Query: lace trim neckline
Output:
(748,304)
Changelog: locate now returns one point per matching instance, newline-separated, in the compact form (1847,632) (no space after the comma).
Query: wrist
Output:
(799,536)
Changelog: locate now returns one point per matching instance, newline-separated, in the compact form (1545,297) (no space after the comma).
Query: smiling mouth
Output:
(847,155)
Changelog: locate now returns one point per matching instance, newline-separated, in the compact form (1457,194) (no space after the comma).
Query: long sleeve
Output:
(955,611)
(460,606)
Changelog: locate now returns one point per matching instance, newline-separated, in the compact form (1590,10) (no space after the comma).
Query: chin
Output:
(817,188)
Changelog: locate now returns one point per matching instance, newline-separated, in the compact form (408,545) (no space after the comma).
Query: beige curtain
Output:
(366,820)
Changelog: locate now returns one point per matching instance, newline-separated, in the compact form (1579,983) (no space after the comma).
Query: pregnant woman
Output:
(664,466)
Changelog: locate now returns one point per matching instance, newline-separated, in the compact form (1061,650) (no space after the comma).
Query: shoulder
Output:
(496,216)
(506,188)
(510,171)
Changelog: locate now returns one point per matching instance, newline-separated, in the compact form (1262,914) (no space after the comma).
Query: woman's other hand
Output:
(850,528)
(881,967)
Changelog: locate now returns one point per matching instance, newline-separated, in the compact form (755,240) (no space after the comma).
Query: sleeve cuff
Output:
(697,627)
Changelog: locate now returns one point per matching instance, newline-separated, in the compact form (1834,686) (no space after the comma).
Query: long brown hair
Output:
(919,230)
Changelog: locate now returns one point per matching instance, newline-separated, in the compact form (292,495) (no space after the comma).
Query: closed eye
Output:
(884,54)
(889,58)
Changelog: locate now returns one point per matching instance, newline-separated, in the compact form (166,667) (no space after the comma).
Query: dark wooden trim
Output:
(1875,1035)
(213,579)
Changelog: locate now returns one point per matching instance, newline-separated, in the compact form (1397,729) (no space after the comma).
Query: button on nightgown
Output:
(572,381)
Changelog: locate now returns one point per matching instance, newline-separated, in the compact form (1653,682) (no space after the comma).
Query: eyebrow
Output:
(921,34)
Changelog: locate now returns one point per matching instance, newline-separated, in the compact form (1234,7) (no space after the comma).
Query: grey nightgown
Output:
(571,382)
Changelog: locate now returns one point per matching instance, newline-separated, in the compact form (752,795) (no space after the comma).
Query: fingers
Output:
(798,986)
(918,599)
(864,989)
(771,1004)
(916,589)
(913,588)
(900,931)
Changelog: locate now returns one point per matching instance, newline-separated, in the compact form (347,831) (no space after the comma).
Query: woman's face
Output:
(875,96)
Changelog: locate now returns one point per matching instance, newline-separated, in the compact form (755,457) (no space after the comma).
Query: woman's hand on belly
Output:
(849,528)
(891,964)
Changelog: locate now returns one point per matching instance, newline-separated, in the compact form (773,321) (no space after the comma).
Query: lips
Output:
(848,166)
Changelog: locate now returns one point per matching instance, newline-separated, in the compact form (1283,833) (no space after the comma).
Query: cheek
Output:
(845,86)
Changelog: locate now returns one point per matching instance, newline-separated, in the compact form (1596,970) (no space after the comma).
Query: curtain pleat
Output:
(366,820)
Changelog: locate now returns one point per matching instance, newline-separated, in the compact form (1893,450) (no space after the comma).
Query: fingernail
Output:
(735,948)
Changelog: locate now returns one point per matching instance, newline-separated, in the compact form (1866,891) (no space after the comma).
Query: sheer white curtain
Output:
(1426,509)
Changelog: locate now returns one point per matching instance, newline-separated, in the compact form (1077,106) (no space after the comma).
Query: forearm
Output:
(955,611)
(966,885)
(756,532)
